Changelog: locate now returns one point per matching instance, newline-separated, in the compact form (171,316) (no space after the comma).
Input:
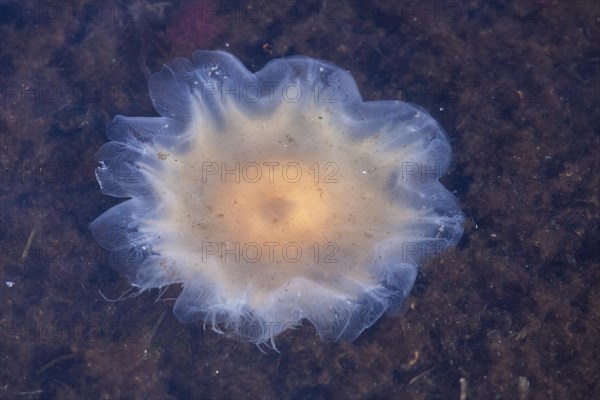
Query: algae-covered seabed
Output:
(512,312)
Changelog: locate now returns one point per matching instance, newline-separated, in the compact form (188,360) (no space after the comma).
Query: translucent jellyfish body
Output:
(274,197)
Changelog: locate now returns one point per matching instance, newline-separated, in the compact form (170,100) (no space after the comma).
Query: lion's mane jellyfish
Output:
(274,197)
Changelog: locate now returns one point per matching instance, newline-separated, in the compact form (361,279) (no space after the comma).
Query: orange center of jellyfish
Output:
(279,210)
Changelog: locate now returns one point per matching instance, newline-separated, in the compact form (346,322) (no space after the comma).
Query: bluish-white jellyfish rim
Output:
(198,97)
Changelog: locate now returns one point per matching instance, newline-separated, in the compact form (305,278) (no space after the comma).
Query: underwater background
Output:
(513,312)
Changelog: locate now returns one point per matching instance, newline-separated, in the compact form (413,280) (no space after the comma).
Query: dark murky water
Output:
(511,313)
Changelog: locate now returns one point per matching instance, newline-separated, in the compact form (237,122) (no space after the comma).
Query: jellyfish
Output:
(274,197)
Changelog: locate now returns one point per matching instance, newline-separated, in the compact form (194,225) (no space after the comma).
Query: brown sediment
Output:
(514,306)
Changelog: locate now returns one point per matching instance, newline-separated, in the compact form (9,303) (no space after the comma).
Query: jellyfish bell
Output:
(274,197)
